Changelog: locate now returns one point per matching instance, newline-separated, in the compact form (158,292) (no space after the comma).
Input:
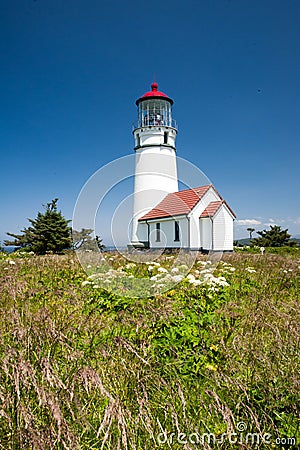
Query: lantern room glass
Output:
(154,112)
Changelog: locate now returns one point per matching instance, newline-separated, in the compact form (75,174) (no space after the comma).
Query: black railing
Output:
(154,122)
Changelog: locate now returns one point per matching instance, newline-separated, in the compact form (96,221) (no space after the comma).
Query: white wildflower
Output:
(221,281)
(175,270)
(195,282)
(162,269)
(11,262)
(190,277)
(85,283)
(177,278)
(205,271)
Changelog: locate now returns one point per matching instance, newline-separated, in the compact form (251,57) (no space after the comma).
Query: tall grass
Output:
(84,369)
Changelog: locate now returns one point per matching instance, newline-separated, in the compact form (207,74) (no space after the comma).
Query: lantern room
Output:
(155,109)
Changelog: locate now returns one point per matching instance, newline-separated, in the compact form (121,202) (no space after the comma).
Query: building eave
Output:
(163,219)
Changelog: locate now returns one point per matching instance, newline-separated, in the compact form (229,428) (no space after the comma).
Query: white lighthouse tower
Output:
(155,164)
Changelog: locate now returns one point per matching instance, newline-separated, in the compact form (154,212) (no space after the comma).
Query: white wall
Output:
(155,177)
(142,232)
(195,231)
(155,171)
(223,230)
(212,235)
(167,233)
(154,135)
(206,233)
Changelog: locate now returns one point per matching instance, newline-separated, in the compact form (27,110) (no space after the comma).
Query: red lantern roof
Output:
(154,93)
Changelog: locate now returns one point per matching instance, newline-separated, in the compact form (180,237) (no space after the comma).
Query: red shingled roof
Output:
(213,207)
(177,203)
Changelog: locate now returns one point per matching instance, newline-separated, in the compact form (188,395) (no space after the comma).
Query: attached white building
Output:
(163,217)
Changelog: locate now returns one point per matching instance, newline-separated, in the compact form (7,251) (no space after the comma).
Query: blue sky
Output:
(72,70)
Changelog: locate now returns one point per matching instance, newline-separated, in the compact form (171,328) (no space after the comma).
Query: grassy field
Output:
(211,363)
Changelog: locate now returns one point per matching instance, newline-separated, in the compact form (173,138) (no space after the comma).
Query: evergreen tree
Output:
(251,231)
(49,232)
(100,244)
(83,241)
(275,237)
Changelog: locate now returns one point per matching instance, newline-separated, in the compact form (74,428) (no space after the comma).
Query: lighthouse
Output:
(155,158)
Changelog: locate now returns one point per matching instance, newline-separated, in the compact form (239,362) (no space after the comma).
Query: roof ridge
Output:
(217,204)
(193,189)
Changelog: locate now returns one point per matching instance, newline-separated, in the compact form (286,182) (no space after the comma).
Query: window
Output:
(154,112)
(166,135)
(138,140)
(158,232)
(176,229)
